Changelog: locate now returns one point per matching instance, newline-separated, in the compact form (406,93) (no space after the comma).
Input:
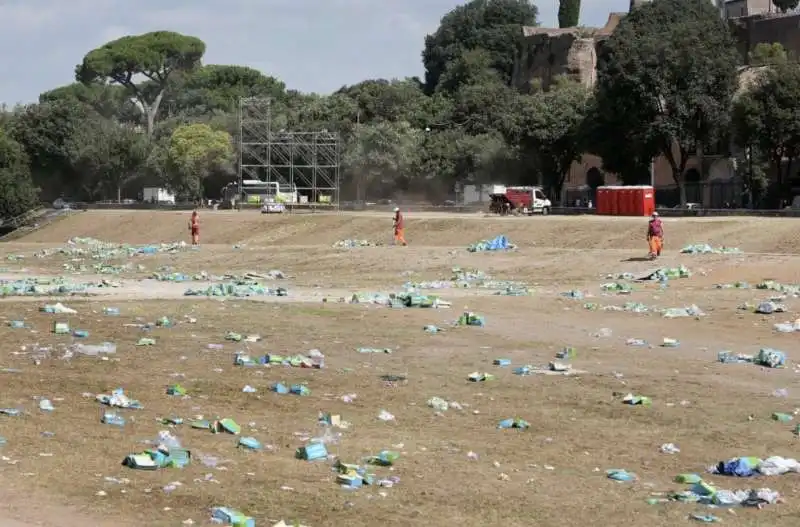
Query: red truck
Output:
(518,200)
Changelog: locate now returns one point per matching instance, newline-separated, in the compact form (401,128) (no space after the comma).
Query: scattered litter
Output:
(237,291)
(704,248)
(386,351)
(498,243)
(620,475)
(637,400)
(513,423)
(352,244)
(470,319)
(669,448)
(231,517)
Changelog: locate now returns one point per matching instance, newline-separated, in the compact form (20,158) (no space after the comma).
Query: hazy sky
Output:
(312,45)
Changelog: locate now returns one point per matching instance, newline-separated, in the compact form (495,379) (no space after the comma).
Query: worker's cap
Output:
(397,209)
(654,215)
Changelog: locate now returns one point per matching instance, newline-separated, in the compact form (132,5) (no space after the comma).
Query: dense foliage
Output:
(569,13)
(145,111)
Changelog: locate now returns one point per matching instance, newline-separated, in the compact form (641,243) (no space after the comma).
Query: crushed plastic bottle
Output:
(91,350)
(438,404)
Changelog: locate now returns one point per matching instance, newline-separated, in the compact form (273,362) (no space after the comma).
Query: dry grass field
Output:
(64,467)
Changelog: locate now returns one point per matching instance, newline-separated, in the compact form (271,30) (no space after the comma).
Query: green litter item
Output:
(385,458)
(61,328)
(226,425)
(144,341)
(704,489)
(782,418)
(164,322)
(480,377)
(176,389)
(201,425)
(689,479)
(234,337)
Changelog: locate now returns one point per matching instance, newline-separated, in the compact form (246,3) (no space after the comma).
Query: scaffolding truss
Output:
(303,162)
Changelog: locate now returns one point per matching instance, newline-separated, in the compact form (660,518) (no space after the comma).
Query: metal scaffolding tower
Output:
(303,162)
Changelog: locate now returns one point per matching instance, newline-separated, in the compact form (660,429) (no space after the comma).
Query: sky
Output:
(311,45)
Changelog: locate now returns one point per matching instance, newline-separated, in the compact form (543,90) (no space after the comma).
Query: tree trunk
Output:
(119,193)
(681,188)
(151,111)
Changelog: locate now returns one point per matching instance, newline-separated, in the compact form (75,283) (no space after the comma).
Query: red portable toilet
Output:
(645,201)
(602,197)
(627,197)
(613,201)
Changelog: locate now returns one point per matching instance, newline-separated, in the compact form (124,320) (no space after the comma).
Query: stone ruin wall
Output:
(550,53)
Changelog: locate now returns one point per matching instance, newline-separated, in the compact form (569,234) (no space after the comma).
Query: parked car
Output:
(63,204)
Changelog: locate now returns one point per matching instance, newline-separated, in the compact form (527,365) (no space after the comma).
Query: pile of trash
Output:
(167,454)
(464,279)
(166,274)
(400,300)
(352,244)
(498,243)
(43,287)
(102,268)
(658,275)
(767,357)
(704,248)
(314,359)
(683,312)
(235,290)
(785,289)
(79,247)
(744,467)
(703,492)
(629,307)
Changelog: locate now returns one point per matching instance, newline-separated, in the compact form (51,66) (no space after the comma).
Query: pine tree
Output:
(569,11)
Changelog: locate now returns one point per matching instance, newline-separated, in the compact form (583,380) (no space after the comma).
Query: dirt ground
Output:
(455,467)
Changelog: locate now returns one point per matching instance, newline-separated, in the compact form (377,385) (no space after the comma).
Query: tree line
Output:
(145,111)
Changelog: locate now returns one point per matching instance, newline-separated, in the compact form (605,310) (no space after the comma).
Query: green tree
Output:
(155,56)
(110,155)
(786,5)
(551,130)
(194,152)
(17,191)
(380,99)
(767,118)
(378,156)
(611,130)
(492,25)
(109,101)
(768,54)
(46,131)
(569,13)
(218,88)
(672,63)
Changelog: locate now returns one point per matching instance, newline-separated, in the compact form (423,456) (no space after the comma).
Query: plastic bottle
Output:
(106,348)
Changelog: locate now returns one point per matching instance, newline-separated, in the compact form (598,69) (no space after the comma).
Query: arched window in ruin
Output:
(595,178)
(692,176)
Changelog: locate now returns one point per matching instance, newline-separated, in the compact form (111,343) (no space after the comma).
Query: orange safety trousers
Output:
(656,244)
(399,237)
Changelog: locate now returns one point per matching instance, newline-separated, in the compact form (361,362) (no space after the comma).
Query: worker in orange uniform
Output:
(399,228)
(194,228)
(655,236)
